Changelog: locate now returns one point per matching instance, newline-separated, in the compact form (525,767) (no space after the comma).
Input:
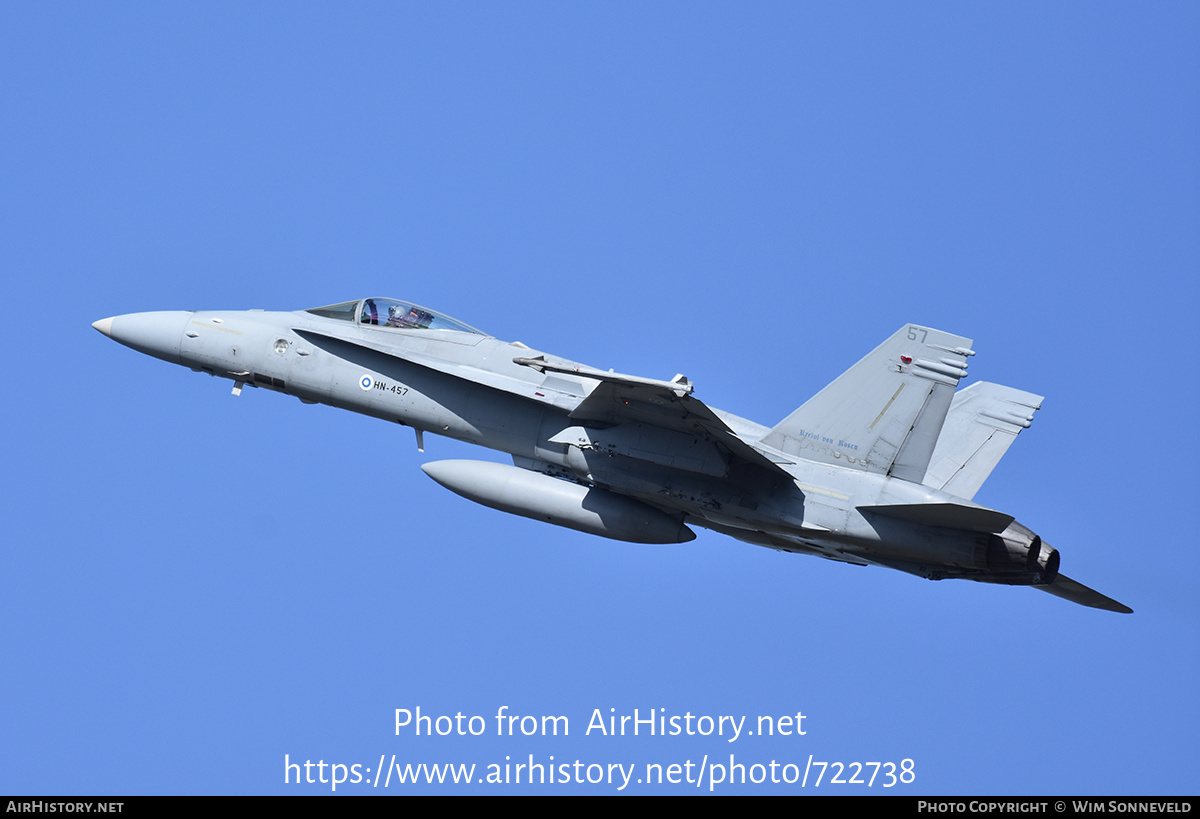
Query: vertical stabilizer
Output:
(984,420)
(883,414)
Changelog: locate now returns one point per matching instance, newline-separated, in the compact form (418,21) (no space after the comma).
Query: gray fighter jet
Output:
(878,468)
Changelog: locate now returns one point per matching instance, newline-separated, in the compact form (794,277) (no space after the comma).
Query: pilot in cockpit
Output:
(398,317)
(410,316)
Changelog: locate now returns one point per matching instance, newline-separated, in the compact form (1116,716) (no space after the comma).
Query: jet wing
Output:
(678,385)
(628,399)
(616,399)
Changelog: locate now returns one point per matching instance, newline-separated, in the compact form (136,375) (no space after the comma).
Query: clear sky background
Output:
(752,194)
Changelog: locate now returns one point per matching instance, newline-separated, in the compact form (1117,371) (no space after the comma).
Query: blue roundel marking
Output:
(366,382)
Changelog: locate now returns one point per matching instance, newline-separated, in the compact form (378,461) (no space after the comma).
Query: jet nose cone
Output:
(157,334)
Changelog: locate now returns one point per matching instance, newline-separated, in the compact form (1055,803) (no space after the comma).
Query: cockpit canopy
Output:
(402,315)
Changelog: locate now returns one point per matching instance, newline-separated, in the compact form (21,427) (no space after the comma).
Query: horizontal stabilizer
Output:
(948,515)
(983,421)
(1068,589)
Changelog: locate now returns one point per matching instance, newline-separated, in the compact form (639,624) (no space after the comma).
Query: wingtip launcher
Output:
(679,385)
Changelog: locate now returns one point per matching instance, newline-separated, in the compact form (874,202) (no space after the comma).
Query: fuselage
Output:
(463,384)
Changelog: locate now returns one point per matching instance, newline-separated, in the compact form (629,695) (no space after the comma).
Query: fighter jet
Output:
(877,469)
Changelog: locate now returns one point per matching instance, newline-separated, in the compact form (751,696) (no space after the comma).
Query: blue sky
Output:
(198,585)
